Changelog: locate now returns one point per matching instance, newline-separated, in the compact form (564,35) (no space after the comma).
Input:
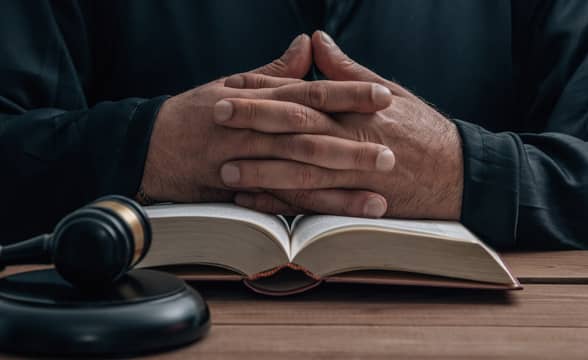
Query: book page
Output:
(273,225)
(309,227)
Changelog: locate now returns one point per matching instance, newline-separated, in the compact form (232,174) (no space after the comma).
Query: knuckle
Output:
(348,64)
(278,66)
(246,80)
(299,117)
(250,110)
(258,82)
(316,94)
(306,177)
(359,156)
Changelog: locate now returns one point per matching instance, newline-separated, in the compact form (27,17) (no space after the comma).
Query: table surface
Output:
(548,319)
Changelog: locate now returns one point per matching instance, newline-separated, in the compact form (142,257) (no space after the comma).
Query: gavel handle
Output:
(36,250)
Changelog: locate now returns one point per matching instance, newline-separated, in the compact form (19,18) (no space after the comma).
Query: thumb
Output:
(294,63)
(335,65)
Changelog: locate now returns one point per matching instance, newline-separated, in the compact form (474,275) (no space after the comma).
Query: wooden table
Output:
(548,319)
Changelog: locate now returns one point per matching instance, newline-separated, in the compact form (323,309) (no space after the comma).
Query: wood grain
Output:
(537,305)
(549,266)
(546,320)
(530,267)
(385,342)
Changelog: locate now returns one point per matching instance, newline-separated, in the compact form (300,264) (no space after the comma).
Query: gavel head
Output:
(97,244)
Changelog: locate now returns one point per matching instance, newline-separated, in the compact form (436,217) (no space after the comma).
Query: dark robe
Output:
(81,83)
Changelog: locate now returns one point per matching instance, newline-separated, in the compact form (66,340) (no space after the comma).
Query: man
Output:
(86,110)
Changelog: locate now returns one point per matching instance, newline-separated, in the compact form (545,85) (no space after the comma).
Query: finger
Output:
(328,152)
(283,175)
(272,116)
(336,65)
(257,81)
(336,96)
(294,63)
(357,203)
(336,153)
(267,203)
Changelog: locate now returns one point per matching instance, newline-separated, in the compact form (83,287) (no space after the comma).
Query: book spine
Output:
(271,272)
(251,285)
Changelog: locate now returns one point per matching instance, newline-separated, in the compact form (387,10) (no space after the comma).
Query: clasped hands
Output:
(355,144)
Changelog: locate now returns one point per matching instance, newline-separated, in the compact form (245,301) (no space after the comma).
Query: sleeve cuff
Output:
(491,183)
(134,151)
(124,128)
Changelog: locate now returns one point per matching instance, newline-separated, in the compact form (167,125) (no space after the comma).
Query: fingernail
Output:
(235,81)
(223,110)
(244,199)
(326,38)
(296,42)
(230,174)
(374,207)
(385,160)
(381,95)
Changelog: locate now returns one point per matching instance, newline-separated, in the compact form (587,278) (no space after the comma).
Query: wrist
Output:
(150,188)
(456,182)
(452,187)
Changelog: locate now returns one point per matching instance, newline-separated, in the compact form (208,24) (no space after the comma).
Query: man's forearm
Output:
(527,190)
(54,161)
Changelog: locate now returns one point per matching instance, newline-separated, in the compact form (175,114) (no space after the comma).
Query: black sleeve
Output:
(58,150)
(529,188)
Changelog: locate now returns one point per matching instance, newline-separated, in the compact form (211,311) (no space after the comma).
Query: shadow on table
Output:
(330,292)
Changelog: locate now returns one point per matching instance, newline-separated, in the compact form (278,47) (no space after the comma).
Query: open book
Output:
(227,242)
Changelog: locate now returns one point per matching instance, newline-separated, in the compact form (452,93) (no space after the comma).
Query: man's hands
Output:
(355,144)
(426,182)
(189,142)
